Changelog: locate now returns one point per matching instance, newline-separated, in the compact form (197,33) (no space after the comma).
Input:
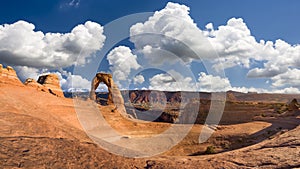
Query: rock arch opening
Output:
(114,94)
(106,79)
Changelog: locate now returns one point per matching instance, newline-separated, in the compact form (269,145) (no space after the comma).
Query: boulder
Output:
(9,76)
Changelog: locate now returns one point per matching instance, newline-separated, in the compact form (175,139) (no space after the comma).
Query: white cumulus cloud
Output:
(170,35)
(22,45)
(68,81)
(25,72)
(288,90)
(139,79)
(166,82)
(174,81)
(212,83)
(170,29)
(122,61)
(291,78)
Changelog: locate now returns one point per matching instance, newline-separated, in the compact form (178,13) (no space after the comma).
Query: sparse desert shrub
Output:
(210,150)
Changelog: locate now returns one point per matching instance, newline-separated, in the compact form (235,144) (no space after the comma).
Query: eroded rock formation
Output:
(51,82)
(34,84)
(46,83)
(293,105)
(230,97)
(8,76)
(102,78)
(114,94)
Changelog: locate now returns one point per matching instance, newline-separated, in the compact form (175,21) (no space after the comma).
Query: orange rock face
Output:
(8,76)
(51,83)
(34,84)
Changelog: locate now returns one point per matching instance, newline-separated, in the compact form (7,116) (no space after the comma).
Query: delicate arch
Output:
(107,80)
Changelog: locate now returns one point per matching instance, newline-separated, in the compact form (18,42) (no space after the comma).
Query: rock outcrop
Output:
(102,78)
(51,82)
(293,105)
(230,97)
(114,94)
(34,84)
(46,83)
(8,76)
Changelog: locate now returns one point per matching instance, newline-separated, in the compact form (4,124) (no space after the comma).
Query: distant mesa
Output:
(9,76)
(146,96)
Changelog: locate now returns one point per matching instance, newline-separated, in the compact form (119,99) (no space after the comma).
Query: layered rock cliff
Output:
(145,96)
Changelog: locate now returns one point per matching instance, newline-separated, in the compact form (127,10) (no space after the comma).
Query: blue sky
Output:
(266,20)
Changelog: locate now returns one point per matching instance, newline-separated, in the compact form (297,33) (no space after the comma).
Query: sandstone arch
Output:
(107,80)
(114,94)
